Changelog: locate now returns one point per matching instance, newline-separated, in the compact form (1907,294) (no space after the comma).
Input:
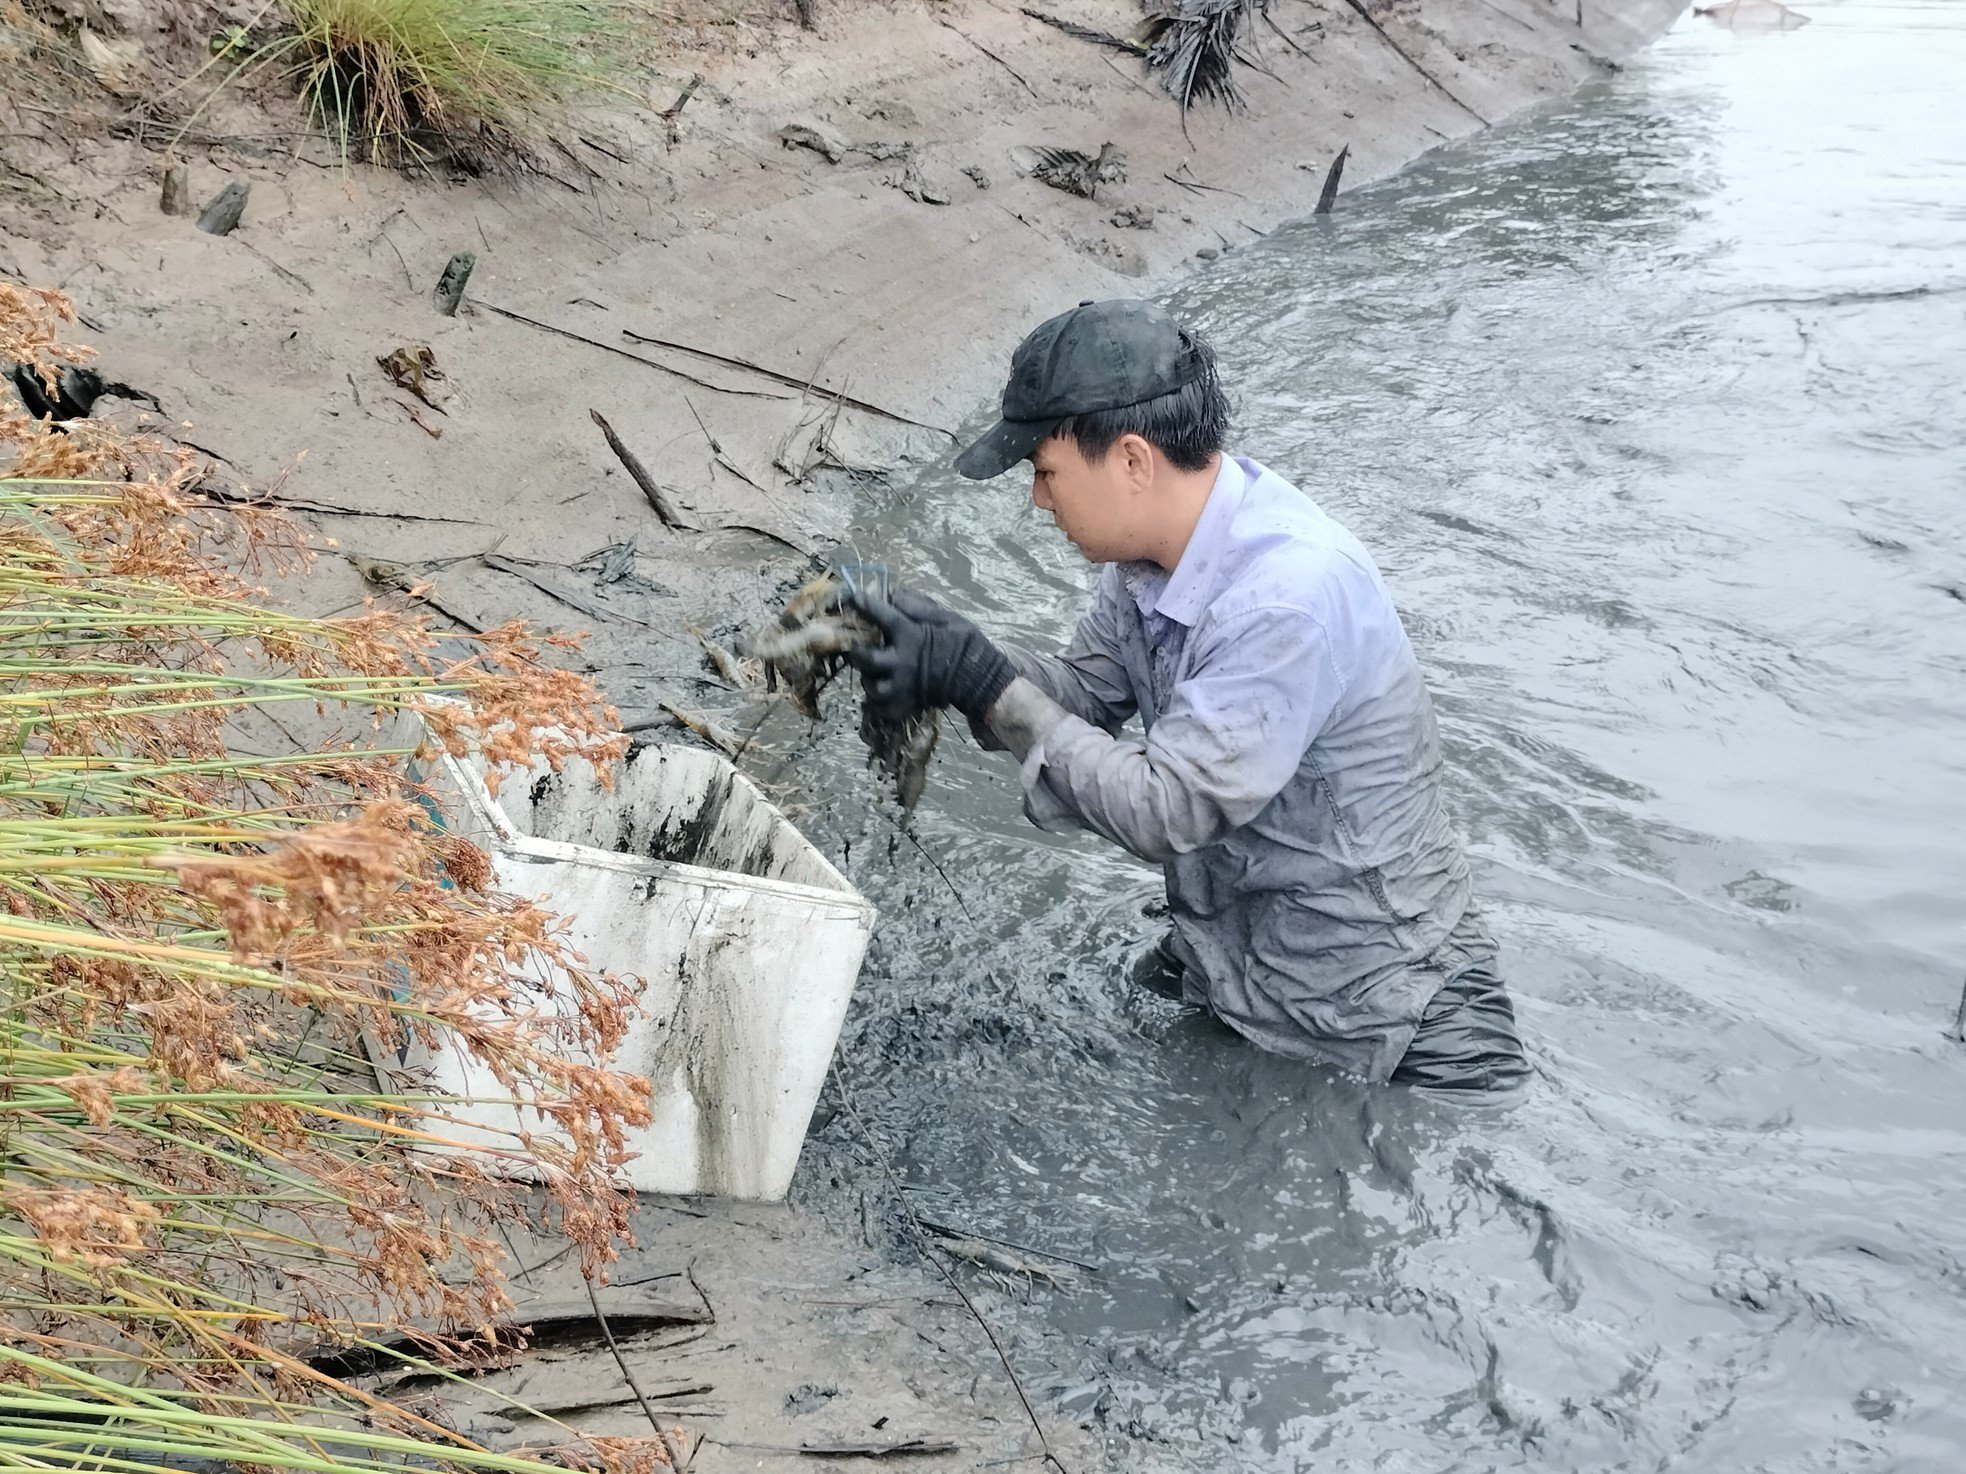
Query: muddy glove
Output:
(933,658)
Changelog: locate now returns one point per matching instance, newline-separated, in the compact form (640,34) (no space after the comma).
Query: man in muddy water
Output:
(1288,779)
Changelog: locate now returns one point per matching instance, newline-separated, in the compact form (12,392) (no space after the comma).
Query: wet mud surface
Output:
(1648,406)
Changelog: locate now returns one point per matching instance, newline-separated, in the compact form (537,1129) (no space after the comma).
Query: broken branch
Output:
(1438,85)
(547,327)
(777,378)
(657,497)
(564,596)
(991,54)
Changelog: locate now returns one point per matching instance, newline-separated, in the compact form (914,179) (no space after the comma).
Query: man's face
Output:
(1096,504)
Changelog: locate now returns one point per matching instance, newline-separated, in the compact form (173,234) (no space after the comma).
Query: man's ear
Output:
(1136,460)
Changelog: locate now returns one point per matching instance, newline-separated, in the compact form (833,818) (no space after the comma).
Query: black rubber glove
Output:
(933,658)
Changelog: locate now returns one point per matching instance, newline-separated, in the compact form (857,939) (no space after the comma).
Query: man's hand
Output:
(933,658)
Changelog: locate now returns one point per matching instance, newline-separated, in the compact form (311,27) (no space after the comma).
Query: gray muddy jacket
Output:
(1288,782)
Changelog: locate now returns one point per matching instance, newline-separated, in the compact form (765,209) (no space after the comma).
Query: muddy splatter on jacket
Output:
(1288,782)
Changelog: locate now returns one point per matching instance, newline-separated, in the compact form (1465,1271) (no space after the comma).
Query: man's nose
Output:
(1038,497)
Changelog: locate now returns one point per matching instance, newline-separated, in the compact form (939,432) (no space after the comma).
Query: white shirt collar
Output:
(1184,593)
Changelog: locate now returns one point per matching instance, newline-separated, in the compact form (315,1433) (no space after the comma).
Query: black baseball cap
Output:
(1100,355)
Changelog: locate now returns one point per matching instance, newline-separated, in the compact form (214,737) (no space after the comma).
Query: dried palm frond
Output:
(1193,45)
(1091,34)
(1072,171)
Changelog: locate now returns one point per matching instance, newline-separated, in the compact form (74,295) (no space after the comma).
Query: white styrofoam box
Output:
(686,876)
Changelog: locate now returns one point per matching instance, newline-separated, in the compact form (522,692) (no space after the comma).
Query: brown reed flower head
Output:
(99,1226)
(222,888)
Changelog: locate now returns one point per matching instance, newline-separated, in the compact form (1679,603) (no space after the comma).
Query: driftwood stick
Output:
(450,286)
(776,377)
(1291,41)
(547,327)
(715,736)
(1438,85)
(1329,194)
(299,504)
(1959,1024)
(278,270)
(734,524)
(176,197)
(675,109)
(223,213)
(672,115)
(900,1448)
(657,497)
(991,54)
(946,1230)
(650,724)
(717,450)
(669,1450)
(577,601)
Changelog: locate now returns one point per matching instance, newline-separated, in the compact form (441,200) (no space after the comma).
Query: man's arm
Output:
(1231,737)
(1087,678)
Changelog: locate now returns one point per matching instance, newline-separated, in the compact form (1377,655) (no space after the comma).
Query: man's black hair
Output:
(1187,426)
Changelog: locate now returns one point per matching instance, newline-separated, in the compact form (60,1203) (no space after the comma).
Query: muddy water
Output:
(1651,408)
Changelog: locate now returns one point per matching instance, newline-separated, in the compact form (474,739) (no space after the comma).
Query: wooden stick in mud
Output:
(669,1450)
(675,109)
(697,725)
(945,1230)
(176,197)
(223,213)
(802,385)
(450,286)
(671,370)
(1407,57)
(1329,194)
(559,594)
(657,497)
(900,1448)
(991,54)
(1959,1024)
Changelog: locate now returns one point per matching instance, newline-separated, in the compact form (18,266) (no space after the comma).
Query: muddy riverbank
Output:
(712,233)
(844,323)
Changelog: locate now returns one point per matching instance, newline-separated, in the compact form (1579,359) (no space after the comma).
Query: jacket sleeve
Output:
(1232,736)
(1087,678)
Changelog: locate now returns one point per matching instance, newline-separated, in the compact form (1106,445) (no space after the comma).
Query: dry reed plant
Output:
(202,1176)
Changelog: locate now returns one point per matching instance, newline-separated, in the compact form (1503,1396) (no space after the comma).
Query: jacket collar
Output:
(1183,594)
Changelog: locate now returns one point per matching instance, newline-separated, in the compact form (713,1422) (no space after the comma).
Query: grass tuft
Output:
(387,77)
